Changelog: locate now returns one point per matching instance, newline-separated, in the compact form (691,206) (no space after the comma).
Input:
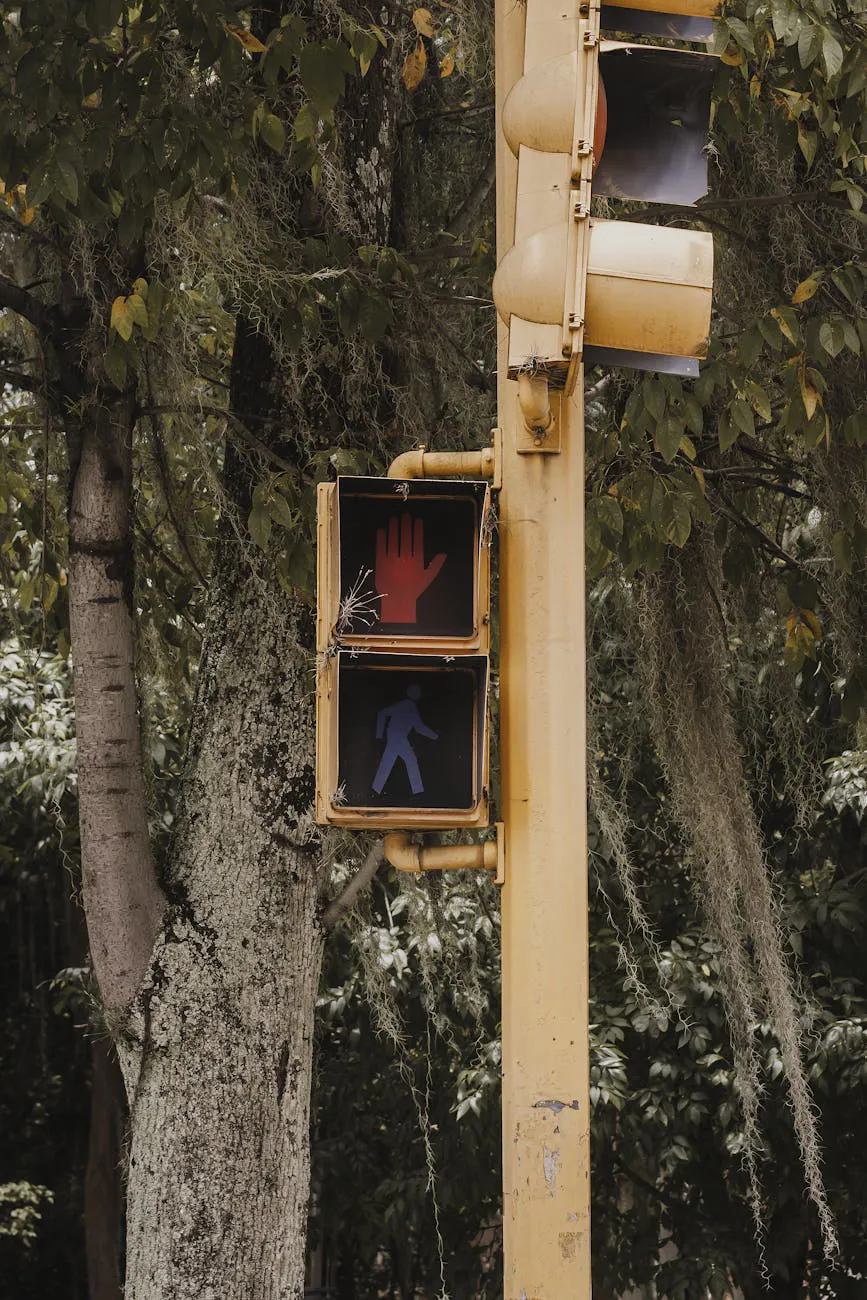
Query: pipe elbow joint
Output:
(535,402)
(408,465)
(401,852)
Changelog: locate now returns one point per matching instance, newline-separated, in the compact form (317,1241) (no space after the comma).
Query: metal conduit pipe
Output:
(444,464)
(406,856)
(535,402)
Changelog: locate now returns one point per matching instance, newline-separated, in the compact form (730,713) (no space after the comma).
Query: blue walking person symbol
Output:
(396,723)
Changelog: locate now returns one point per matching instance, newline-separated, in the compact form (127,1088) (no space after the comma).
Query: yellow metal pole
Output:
(546,1158)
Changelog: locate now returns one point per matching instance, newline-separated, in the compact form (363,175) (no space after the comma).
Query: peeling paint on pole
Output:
(551,1165)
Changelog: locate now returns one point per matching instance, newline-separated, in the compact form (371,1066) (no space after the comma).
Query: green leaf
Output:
(726,432)
(741,33)
(750,346)
(280,511)
(115,362)
(850,336)
(693,413)
(857,79)
(849,284)
(841,549)
(861,325)
(654,397)
(273,132)
(855,430)
(742,415)
(808,44)
(610,518)
(323,70)
(348,303)
(156,294)
(781,17)
(101,15)
(705,384)
(680,524)
(306,123)
(771,332)
(832,53)
(760,400)
(832,337)
(669,432)
(592,527)
(374,317)
(807,141)
(259,524)
(67,179)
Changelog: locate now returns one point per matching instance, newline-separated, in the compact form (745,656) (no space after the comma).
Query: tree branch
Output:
(475,377)
(756,476)
(767,543)
(18,379)
(16,299)
(234,423)
(359,881)
(436,252)
(775,200)
(487,107)
(598,388)
(165,479)
(664,1199)
(474,200)
(15,227)
(697,215)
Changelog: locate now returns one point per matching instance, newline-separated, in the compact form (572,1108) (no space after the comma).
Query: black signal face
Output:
(409,560)
(658,112)
(410,731)
(404,585)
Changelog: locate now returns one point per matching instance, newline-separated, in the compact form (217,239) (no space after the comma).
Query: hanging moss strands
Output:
(685,661)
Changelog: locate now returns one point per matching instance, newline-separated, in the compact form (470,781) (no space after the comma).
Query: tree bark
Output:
(122,900)
(218,1063)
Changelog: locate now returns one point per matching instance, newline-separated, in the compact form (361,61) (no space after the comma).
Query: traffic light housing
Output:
(627,121)
(403,633)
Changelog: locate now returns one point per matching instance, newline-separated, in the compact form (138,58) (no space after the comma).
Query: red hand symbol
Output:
(400,575)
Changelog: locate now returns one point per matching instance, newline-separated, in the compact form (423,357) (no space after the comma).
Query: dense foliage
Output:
(45,1063)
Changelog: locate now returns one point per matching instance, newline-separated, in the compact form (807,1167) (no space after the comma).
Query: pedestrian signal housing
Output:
(403,564)
(403,631)
(624,121)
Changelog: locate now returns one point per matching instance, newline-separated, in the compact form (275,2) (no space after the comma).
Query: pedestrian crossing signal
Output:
(403,564)
(409,745)
(402,737)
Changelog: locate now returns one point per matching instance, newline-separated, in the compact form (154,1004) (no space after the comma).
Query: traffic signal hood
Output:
(630,121)
(684,20)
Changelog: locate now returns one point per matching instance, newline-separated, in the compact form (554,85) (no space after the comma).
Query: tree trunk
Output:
(217,1034)
(103,1185)
(122,900)
(219,1070)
